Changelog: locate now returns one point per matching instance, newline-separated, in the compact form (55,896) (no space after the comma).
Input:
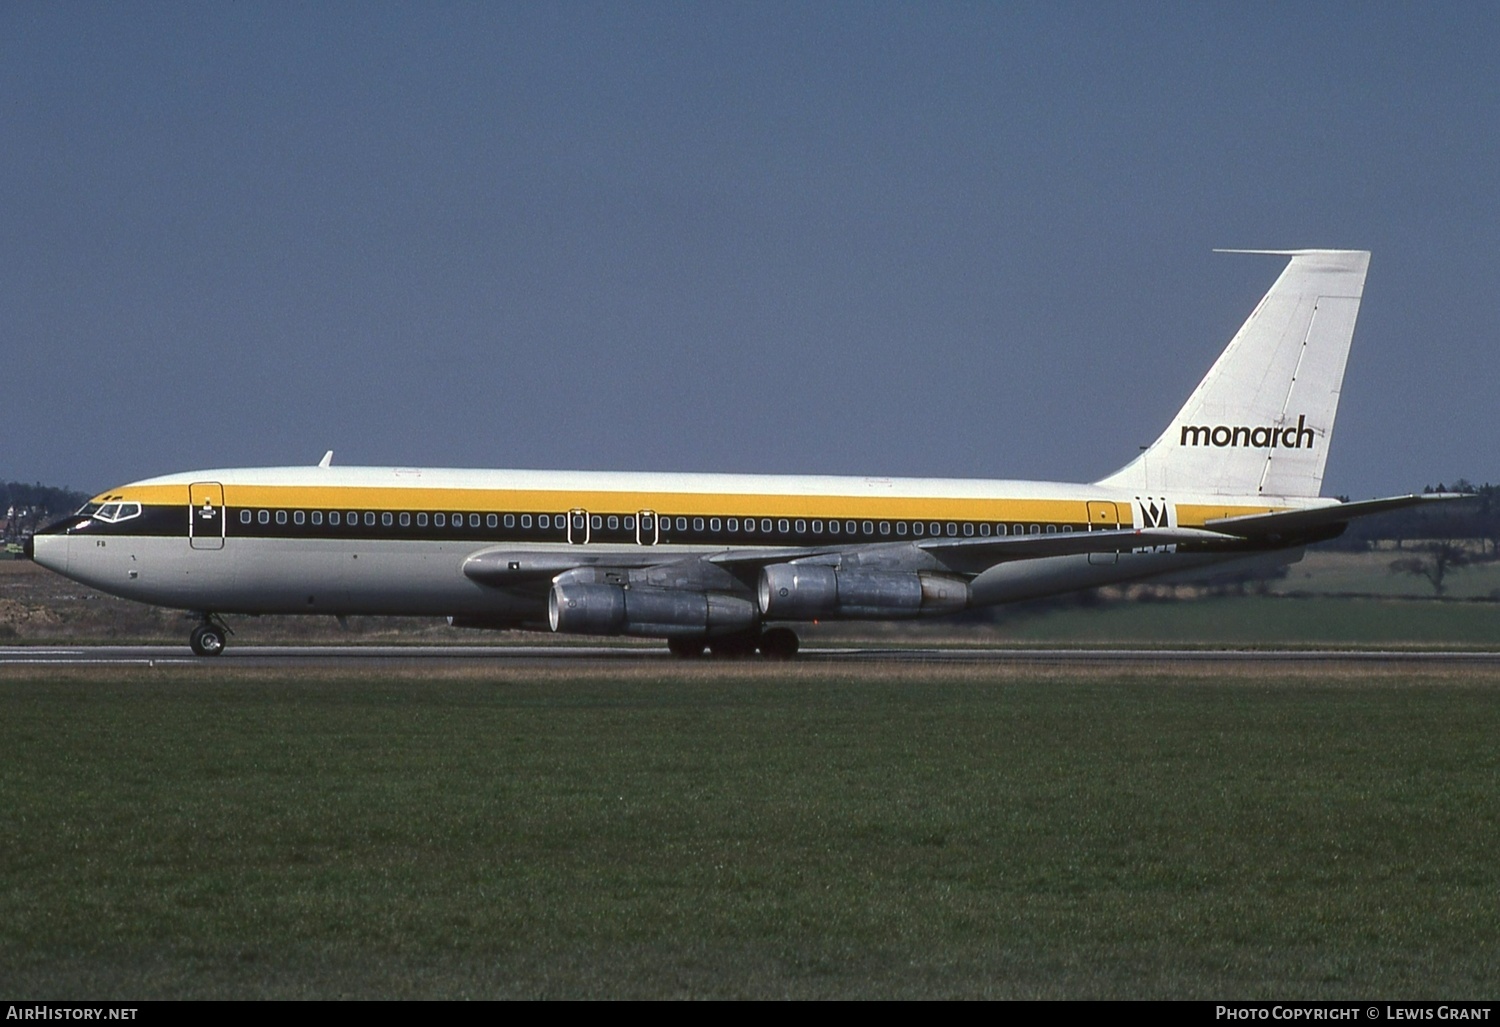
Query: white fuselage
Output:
(245,541)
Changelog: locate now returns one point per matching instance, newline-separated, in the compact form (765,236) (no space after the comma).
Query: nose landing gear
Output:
(209,637)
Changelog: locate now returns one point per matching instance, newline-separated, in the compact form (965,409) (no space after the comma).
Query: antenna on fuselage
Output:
(327,460)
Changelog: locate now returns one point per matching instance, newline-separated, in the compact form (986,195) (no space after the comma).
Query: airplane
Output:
(730,563)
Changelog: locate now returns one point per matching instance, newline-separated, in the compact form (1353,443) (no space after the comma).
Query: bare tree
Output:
(1433,563)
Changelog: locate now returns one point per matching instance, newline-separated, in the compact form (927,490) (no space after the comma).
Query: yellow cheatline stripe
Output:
(1056,511)
(1194,515)
(675,503)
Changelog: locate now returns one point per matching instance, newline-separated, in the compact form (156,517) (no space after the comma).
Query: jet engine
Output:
(794,591)
(599,609)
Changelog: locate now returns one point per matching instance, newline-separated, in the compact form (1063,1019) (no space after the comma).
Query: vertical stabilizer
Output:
(1259,423)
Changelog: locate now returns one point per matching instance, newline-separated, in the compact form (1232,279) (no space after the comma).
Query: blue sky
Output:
(905,239)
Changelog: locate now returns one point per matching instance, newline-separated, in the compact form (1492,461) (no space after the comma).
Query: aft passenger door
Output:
(1103,517)
(206,515)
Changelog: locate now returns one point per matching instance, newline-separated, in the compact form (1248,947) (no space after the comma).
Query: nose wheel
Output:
(209,638)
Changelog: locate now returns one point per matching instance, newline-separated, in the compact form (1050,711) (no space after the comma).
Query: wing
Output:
(509,568)
(971,555)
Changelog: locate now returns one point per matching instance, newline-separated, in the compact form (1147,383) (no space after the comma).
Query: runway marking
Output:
(304,655)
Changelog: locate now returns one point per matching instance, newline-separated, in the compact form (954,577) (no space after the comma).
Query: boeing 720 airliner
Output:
(730,562)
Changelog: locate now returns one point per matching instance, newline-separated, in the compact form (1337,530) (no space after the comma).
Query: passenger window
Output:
(334,518)
(369,518)
(614,522)
(510,520)
(280,516)
(713,524)
(264,517)
(1020,529)
(734,524)
(850,527)
(885,527)
(817,527)
(298,517)
(916,528)
(387,519)
(833,527)
(543,521)
(1052,529)
(492,521)
(244,516)
(984,529)
(596,522)
(783,525)
(801,527)
(682,524)
(697,523)
(952,528)
(458,520)
(526,520)
(439,520)
(473,520)
(765,525)
(1036,529)
(968,528)
(405,520)
(900,527)
(422,519)
(317,517)
(869,527)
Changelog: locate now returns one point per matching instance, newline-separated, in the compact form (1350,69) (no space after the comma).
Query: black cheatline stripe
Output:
(171,521)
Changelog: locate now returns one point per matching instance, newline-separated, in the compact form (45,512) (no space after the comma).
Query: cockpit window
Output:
(113,513)
(88,509)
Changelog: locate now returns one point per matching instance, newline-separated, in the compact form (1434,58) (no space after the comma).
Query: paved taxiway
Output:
(415,656)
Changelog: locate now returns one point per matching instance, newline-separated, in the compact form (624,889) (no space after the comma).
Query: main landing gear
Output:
(773,644)
(209,637)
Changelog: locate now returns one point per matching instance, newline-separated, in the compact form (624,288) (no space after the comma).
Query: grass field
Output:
(744,830)
(1257,621)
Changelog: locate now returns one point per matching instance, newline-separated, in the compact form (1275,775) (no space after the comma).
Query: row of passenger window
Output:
(583,523)
(388,519)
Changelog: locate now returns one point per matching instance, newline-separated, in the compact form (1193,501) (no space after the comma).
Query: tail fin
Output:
(1260,421)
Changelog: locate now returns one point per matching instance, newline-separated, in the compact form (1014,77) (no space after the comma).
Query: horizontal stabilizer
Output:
(1297,521)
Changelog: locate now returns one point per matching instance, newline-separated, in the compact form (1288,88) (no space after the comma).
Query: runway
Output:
(409,657)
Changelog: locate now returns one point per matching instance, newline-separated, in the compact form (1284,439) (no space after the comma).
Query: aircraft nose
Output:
(51,551)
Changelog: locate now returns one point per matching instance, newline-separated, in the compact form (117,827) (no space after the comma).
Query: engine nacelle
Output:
(597,609)
(794,591)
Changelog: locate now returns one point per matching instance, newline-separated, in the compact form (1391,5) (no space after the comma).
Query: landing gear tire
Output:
(779,644)
(207,640)
(733,647)
(685,648)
